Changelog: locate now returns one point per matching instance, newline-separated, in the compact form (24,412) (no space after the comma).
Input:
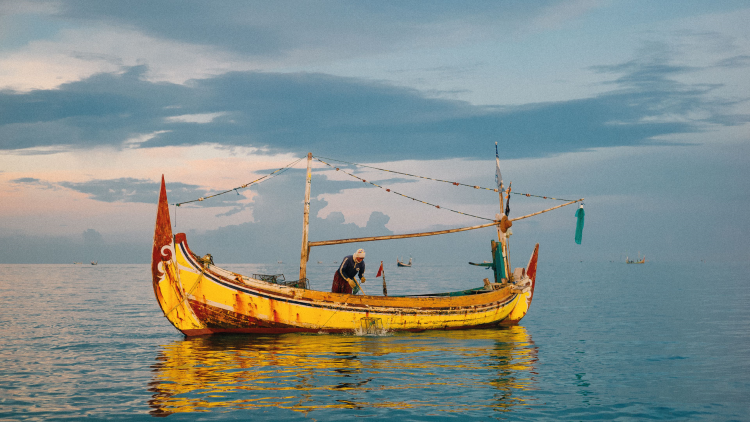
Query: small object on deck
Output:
(381,272)
(206,260)
(270,278)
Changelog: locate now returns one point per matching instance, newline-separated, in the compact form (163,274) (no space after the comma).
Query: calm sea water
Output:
(602,341)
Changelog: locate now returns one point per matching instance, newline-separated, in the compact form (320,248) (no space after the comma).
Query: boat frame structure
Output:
(200,298)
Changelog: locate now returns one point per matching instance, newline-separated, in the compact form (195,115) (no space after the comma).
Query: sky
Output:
(640,107)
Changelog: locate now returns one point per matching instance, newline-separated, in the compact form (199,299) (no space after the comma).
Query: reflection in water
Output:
(446,371)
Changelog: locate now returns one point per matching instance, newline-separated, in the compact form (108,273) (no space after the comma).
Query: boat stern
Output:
(526,293)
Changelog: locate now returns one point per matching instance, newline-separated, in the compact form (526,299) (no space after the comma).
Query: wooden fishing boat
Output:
(403,264)
(636,261)
(199,298)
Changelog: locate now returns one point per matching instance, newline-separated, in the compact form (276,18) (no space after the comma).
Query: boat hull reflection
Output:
(452,371)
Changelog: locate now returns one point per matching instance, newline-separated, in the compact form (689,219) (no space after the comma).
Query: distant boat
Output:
(320,262)
(77,263)
(638,261)
(402,264)
(280,262)
(94,262)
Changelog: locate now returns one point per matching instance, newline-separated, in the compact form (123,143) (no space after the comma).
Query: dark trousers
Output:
(340,285)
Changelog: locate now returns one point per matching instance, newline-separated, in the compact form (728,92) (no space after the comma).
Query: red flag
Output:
(380,270)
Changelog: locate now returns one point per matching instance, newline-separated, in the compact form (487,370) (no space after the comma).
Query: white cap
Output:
(360,253)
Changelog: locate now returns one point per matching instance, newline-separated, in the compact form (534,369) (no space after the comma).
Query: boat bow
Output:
(169,291)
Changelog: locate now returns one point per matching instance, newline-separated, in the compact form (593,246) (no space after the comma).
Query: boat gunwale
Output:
(347,302)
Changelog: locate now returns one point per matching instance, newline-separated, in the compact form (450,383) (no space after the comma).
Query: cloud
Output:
(31,181)
(92,236)
(310,31)
(68,40)
(556,14)
(132,190)
(741,61)
(194,118)
(144,191)
(352,118)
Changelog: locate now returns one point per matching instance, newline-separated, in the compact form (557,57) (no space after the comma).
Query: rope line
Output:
(411,175)
(401,194)
(256,181)
(543,197)
(439,180)
(292,164)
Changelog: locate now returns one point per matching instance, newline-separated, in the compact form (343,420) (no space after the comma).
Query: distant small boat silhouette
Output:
(639,261)
(94,262)
(401,264)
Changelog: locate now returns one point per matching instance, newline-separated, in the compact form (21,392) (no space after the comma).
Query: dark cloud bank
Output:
(350,118)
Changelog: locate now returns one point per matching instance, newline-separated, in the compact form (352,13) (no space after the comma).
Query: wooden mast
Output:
(304,254)
(500,235)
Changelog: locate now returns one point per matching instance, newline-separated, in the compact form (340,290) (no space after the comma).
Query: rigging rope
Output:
(256,181)
(292,164)
(438,180)
(401,194)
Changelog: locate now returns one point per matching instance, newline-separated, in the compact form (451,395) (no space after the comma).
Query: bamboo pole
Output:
(305,252)
(422,234)
(399,236)
(548,209)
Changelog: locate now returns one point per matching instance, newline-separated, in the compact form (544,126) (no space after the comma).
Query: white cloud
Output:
(558,14)
(78,53)
(135,141)
(24,6)
(194,118)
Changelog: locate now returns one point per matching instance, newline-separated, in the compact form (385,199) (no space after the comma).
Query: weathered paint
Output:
(200,299)
(525,298)
(167,285)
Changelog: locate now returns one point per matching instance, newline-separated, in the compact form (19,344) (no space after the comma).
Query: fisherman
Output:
(343,280)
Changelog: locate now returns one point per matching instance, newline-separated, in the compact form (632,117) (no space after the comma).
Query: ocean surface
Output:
(602,341)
